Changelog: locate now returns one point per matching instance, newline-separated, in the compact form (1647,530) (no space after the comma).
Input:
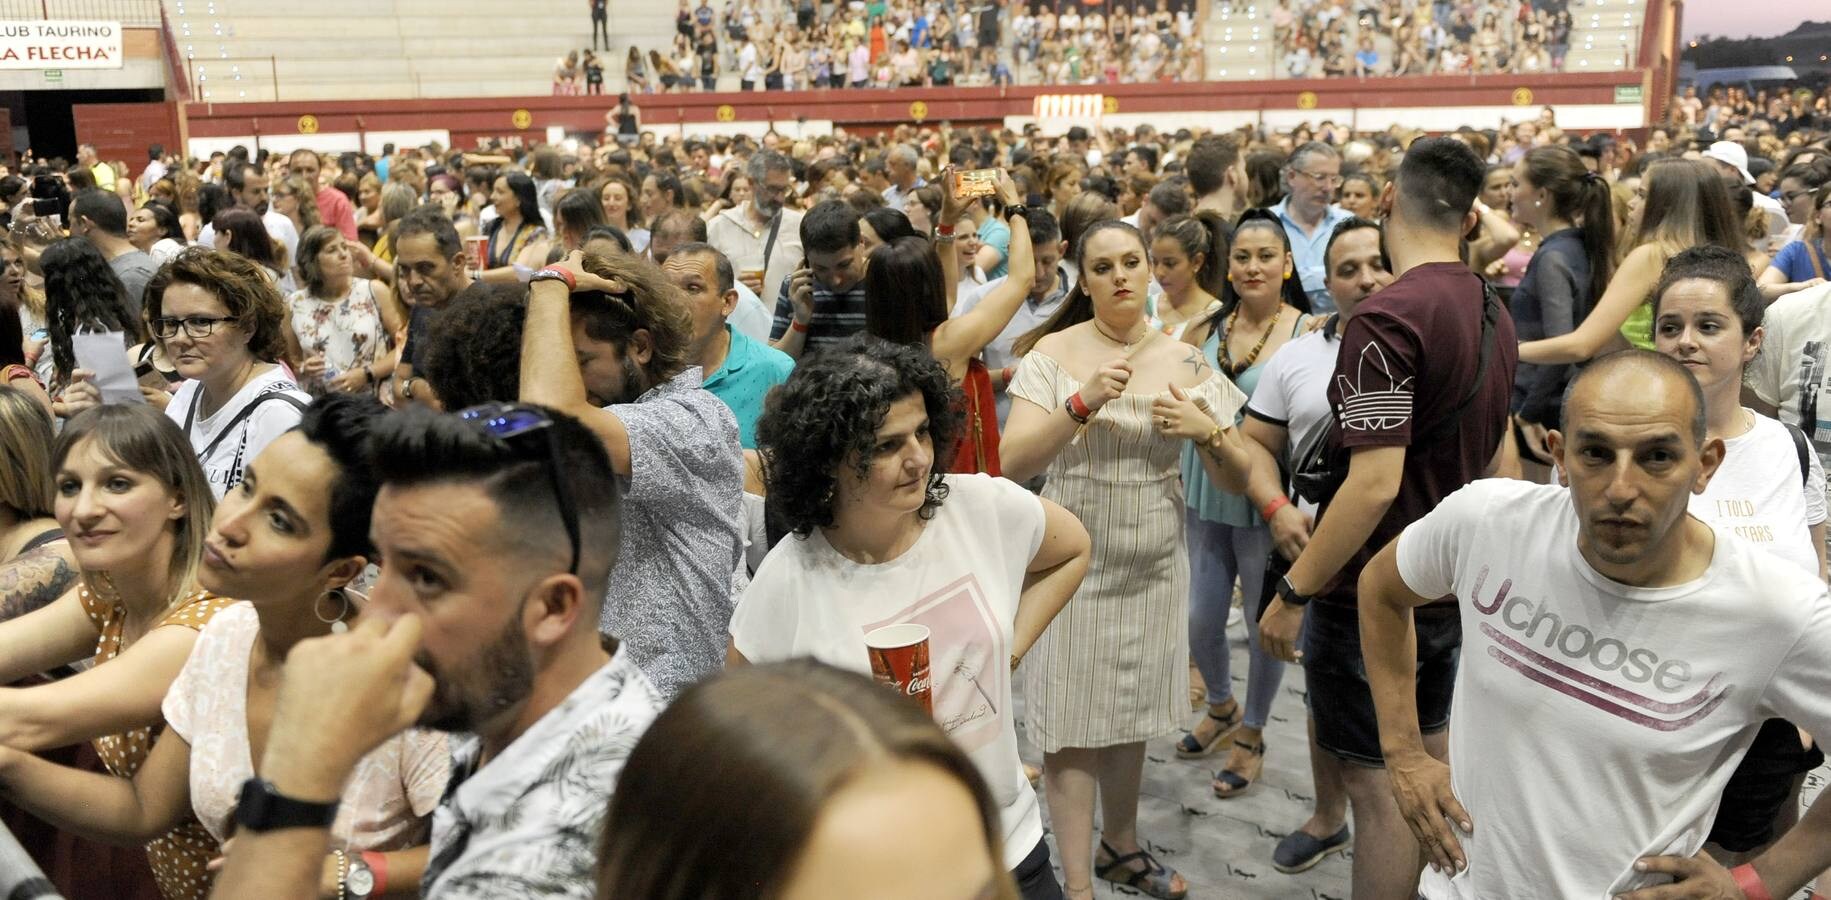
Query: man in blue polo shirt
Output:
(738,369)
(1309,214)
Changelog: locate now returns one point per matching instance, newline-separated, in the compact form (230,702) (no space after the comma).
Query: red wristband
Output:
(1750,882)
(944,230)
(798,325)
(1270,509)
(378,866)
(572,284)
(1079,406)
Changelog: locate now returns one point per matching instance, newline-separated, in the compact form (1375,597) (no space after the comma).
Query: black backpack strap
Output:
(769,243)
(243,415)
(1804,448)
(1490,317)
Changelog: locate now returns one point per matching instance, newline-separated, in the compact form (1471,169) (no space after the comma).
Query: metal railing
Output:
(130,13)
(220,73)
(20,877)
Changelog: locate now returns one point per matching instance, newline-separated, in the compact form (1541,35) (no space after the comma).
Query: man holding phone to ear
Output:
(823,301)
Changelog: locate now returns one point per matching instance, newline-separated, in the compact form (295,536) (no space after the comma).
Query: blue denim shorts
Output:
(1341,701)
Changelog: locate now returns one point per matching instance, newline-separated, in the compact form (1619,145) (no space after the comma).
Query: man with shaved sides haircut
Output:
(1620,653)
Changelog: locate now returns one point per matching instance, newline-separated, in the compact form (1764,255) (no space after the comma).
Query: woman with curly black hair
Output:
(83,295)
(854,446)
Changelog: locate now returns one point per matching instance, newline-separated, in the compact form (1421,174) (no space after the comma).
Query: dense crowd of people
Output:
(535,524)
(803,44)
(1325,38)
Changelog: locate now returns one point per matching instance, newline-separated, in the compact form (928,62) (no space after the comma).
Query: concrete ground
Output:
(1224,847)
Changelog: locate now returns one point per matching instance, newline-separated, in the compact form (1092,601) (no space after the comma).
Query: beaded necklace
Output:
(1227,364)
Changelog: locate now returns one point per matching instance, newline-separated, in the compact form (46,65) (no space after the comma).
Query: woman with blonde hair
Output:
(297,201)
(289,546)
(815,747)
(397,200)
(135,506)
(1680,204)
(36,563)
(368,216)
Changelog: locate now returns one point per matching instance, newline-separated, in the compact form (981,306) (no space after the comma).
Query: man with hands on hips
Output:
(1622,656)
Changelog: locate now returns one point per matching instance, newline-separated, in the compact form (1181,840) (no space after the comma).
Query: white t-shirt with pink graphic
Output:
(962,579)
(1595,723)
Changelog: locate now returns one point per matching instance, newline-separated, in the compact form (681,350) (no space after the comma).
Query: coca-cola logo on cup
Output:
(899,659)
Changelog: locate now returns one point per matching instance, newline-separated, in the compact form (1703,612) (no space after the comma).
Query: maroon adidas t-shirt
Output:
(1408,358)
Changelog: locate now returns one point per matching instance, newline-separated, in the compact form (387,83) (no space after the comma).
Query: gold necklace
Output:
(1227,364)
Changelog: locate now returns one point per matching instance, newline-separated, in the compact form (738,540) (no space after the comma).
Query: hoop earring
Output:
(336,622)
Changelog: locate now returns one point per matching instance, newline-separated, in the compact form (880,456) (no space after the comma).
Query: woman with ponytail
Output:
(1680,204)
(1189,258)
(1262,307)
(1559,198)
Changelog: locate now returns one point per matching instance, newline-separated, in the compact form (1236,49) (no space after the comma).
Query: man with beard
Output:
(607,341)
(429,269)
(247,186)
(484,621)
(761,237)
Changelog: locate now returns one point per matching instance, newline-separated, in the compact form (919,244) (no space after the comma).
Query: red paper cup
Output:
(899,658)
(478,248)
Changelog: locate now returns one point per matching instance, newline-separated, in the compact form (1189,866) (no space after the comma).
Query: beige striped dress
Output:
(1113,667)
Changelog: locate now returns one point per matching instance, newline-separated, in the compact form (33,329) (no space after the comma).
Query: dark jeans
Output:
(1035,880)
(600,24)
(1341,701)
(746,85)
(708,82)
(1762,782)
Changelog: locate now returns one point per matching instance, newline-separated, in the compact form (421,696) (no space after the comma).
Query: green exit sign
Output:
(1629,93)
(54,74)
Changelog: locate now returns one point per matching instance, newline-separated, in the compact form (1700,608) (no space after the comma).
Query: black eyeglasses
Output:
(511,422)
(195,326)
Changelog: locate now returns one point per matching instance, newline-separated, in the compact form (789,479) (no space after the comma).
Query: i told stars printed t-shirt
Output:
(962,579)
(1597,723)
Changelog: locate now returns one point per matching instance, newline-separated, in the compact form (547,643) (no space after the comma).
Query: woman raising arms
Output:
(1683,204)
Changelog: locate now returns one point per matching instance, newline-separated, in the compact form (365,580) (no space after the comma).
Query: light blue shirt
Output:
(997,235)
(743,380)
(1309,253)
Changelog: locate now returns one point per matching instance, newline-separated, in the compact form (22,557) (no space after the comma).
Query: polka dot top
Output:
(179,856)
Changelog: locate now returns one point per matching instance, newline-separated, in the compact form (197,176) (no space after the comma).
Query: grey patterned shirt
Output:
(671,595)
(527,825)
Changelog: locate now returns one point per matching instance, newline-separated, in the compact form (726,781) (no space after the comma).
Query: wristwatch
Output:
(358,882)
(1289,594)
(264,808)
(1015,211)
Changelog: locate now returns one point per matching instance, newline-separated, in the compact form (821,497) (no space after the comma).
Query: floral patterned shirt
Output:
(528,824)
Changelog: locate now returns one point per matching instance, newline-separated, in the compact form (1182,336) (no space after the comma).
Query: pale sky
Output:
(1740,18)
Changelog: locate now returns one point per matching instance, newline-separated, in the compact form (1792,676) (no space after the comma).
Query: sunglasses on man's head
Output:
(513,422)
